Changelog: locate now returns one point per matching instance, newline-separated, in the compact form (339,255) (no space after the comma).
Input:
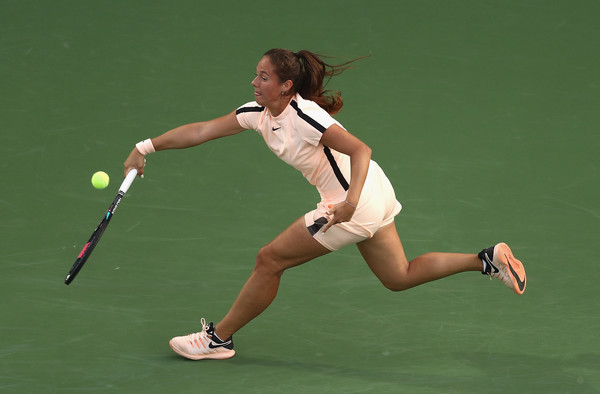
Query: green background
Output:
(484,115)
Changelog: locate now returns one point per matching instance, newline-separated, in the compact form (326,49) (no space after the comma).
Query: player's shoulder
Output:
(301,104)
(251,106)
(312,114)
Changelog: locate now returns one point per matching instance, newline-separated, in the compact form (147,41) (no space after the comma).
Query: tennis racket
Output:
(93,241)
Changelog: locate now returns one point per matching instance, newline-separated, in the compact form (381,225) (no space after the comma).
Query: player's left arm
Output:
(335,137)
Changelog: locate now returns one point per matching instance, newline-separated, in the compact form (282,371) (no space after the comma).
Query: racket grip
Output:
(128,181)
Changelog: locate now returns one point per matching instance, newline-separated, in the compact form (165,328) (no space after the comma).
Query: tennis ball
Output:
(100,180)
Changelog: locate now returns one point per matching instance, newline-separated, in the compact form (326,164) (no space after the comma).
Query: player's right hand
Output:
(135,160)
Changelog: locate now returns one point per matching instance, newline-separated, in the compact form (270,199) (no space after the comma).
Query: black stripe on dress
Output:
(307,118)
(336,170)
(330,158)
(249,109)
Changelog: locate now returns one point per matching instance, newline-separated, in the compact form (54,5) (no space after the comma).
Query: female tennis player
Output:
(293,114)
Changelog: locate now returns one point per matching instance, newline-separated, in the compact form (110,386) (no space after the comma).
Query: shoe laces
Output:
(503,276)
(200,334)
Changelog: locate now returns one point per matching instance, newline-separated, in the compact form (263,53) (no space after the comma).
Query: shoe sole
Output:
(511,266)
(209,356)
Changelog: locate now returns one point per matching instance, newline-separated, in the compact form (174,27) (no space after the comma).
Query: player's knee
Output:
(266,262)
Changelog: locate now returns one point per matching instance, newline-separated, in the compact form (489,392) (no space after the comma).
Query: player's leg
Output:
(294,246)
(385,256)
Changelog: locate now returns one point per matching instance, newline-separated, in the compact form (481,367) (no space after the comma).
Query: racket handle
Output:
(128,181)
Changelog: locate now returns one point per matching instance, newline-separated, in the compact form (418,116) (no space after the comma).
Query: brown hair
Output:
(308,72)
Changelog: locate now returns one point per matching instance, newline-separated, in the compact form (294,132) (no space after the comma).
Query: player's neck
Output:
(277,108)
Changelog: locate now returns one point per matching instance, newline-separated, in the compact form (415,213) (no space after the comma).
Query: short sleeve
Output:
(249,114)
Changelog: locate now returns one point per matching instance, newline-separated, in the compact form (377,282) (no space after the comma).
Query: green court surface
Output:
(484,115)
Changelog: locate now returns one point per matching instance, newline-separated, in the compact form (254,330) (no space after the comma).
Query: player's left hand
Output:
(339,213)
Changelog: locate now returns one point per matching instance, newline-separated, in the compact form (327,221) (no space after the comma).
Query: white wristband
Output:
(145,147)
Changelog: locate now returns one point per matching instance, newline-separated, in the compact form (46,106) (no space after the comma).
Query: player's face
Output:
(267,86)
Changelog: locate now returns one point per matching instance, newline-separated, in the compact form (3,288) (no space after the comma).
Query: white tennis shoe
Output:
(499,262)
(203,345)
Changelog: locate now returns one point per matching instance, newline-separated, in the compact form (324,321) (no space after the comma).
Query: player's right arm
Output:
(186,136)
(194,134)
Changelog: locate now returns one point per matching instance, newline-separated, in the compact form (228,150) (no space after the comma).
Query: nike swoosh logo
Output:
(275,128)
(496,270)
(520,282)
(210,344)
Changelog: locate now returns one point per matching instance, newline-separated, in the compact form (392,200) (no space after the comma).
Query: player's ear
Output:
(287,86)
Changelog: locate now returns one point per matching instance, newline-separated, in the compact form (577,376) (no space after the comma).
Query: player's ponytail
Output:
(308,72)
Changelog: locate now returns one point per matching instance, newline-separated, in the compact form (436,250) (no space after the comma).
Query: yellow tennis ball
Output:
(100,180)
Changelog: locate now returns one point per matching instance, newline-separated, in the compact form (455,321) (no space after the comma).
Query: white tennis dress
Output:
(294,136)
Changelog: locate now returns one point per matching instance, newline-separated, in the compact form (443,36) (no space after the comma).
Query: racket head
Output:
(87,250)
